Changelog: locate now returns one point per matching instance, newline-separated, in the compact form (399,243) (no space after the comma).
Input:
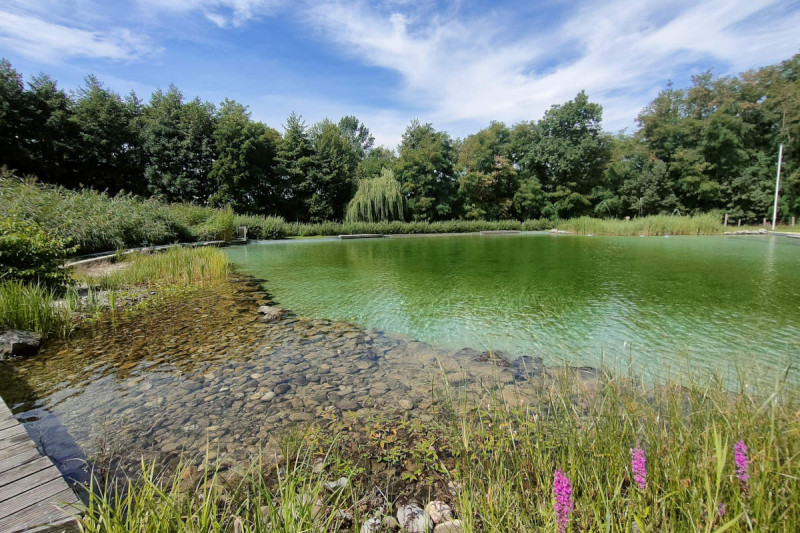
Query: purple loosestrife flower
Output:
(721,510)
(742,462)
(562,495)
(639,467)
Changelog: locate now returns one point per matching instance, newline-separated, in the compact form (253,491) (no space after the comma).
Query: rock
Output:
(268,396)
(390,523)
(338,484)
(468,353)
(373,525)
(16,343)
(439,511)
(300,417)
(495,356)
(451,526)
(270,314)
(282,388)
(412,518)
(406,404)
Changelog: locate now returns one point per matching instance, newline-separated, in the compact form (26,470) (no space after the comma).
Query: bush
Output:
(29,253)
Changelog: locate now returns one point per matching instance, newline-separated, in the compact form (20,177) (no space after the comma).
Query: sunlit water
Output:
(654,301)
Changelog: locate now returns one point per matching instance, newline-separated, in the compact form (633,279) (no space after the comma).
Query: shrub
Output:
(31,254)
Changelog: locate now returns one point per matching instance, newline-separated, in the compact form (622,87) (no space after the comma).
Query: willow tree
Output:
(377,200)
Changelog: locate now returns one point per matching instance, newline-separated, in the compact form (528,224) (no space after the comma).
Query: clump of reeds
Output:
(33,307)
(708,224)
(176,266)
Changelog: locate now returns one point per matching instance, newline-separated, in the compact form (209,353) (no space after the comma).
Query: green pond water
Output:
(656,302)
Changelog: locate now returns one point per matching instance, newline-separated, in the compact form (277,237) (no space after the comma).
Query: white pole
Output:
(777,189)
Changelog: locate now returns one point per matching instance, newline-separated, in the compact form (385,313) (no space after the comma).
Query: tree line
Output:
(711,146)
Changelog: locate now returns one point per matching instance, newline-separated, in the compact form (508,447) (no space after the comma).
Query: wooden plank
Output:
(37,479)
(8,455)
(5,412)
(12,432)
(24,470)
(39,494)
(10,422)
(16,439)
(43,516)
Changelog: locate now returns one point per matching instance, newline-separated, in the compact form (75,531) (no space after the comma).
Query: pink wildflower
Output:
(742,462)
(721,510)
(562,494)
(639,467)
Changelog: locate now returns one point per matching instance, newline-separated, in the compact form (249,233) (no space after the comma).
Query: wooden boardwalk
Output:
(33,495)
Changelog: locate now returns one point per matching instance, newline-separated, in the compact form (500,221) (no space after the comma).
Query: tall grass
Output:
(708,224)
(397,227)
(95,222)
(176,266)
(33,308)
(505,455)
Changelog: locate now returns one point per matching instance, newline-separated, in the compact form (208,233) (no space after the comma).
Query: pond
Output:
(374,324)
(654,301)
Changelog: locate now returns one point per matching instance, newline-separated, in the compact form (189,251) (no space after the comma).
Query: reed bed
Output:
(34,307)
(612,455)
(176,266)
(707,224)
(96,222)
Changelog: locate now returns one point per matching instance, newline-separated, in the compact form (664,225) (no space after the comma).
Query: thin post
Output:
(739,225)
(777,189)
(793,221)
(765,223)
(726,220)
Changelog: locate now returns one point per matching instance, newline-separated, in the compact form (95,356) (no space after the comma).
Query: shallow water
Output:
(203,372)
(658,302)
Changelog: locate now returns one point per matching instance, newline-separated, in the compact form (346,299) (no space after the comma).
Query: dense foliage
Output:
(712,146)
(29,253)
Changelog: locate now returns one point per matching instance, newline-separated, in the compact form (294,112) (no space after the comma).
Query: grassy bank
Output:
(95,222)
(52,311)
(706,460)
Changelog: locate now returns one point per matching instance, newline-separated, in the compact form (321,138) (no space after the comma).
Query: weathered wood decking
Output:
(33,495)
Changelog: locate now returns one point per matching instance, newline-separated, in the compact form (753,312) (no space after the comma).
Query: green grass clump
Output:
(176,266)
(708,224)
(500,457)
(33,307)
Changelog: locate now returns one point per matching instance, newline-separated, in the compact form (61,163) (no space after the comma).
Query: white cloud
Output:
(50,42)
(223,13)
(464,72)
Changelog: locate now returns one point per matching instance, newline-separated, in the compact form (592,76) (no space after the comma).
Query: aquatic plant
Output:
(176,266)
(32,307)
(742,462)
(639,467)
(562,499)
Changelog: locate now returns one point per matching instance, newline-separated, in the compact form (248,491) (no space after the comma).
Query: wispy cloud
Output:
(223,13)
(50,42)
(466,70)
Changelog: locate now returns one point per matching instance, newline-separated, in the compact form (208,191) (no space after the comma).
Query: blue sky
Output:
(456,64)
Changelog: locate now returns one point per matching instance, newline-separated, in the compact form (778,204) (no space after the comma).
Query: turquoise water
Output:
(653,301)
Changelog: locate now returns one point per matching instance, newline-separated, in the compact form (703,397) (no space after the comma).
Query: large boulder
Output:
(16,343)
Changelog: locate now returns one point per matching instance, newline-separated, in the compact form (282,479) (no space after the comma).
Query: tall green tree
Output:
(357,134)
(244,173)
(331,184)
(296,164)
(179,146)
(425,170)
(107,142)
